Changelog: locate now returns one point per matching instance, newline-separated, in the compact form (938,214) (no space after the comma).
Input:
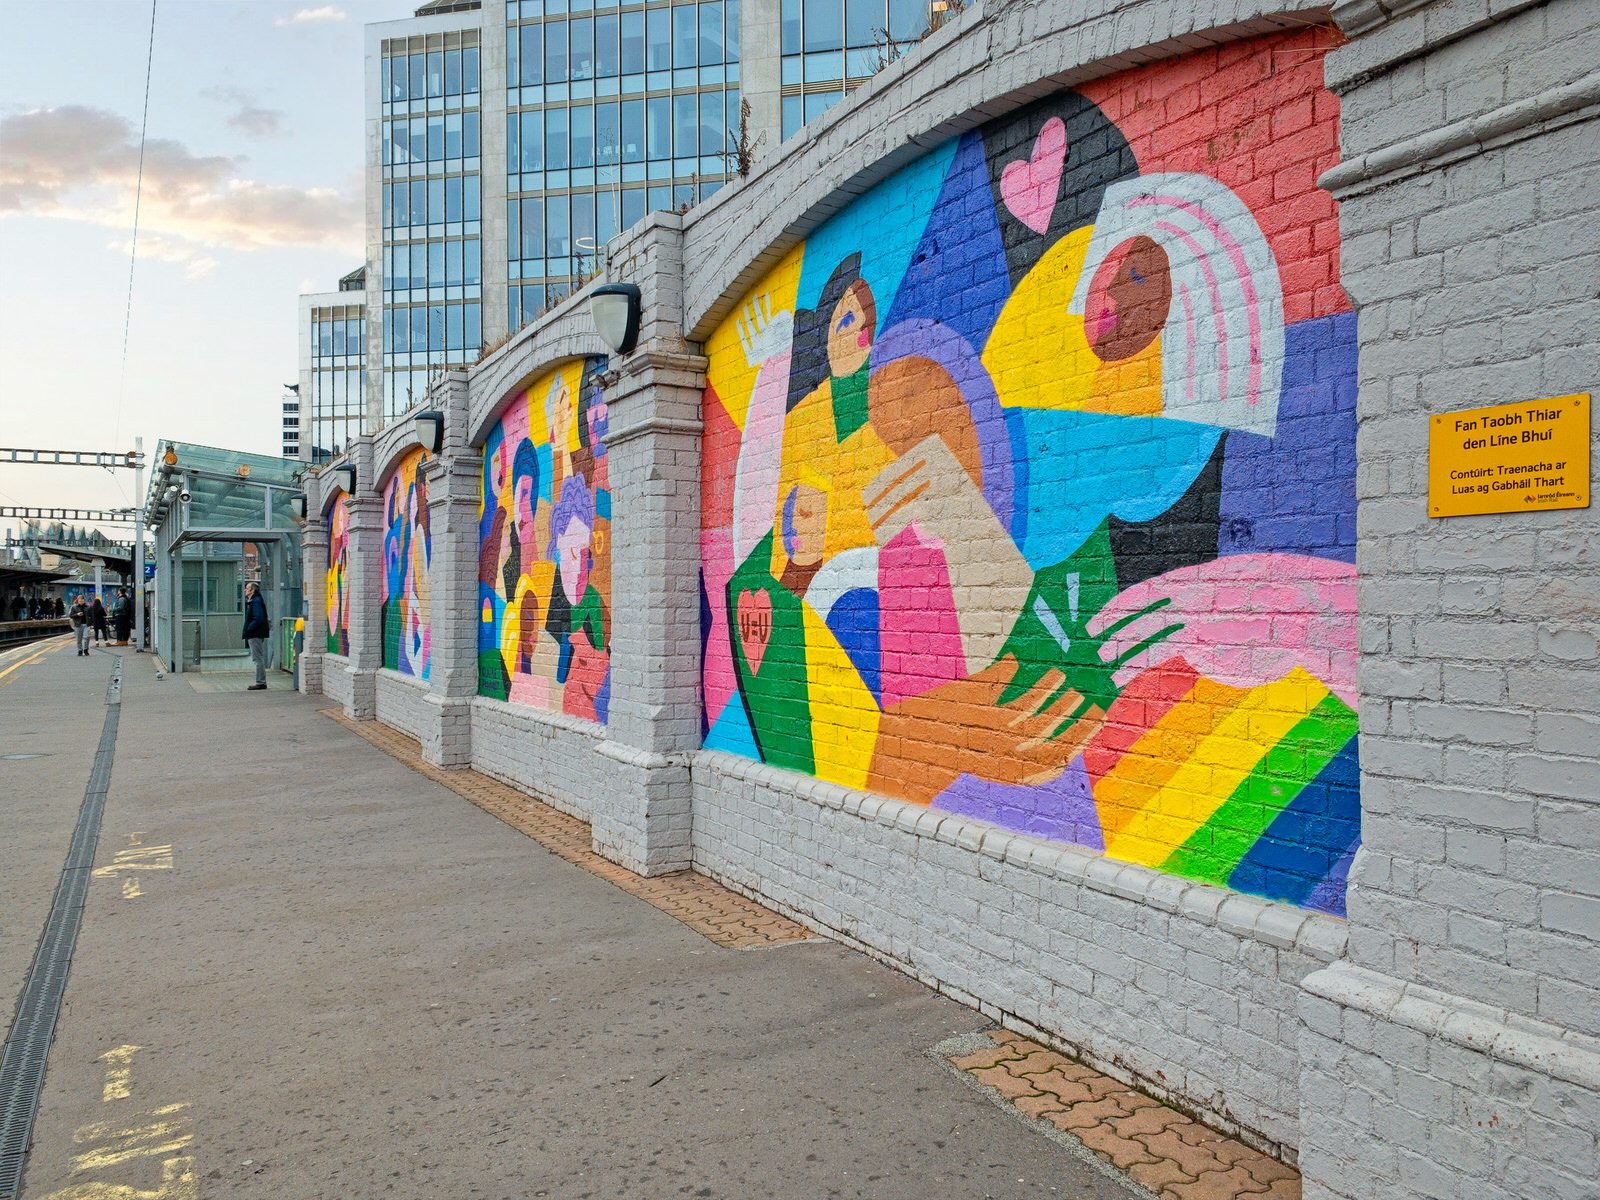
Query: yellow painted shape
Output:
(119,1072)
(1510,458)
(137,858)
(165,1133)
(178,1182)
(28,661)
(728,373)
(844,716)
(131,889)
(1039,357)
(538,577)
(812,456)
(1219,764)
(1147,765)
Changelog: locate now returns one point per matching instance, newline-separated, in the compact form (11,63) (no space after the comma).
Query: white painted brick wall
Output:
(337,678)
(548,755)
(402,704)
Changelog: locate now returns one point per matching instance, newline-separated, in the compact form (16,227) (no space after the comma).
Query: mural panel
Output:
(544,548)
(338,583)
(407,551)
(1029,482)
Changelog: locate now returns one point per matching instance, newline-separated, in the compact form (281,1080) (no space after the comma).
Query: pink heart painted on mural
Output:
(755,626)
(1029,187)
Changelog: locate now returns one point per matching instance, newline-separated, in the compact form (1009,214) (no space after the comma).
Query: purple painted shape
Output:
(943,346)
(1329,895)
(1062,809)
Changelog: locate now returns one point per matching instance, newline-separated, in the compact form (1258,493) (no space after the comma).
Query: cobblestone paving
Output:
(716,912)
(1159,1148)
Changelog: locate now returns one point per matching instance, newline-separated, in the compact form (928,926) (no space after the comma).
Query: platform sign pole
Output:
(138,545)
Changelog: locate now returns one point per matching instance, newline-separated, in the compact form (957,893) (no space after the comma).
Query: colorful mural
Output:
(544,548)
(338,589)
(1029,482)
(407,551)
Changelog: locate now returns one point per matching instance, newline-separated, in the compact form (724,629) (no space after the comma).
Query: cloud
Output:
(247,116)
(312,16)
(80,163)
(196,265)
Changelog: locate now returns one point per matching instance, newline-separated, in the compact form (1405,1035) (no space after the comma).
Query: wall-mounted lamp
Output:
(615,309)
(297,506)
(345,476)
(427,430)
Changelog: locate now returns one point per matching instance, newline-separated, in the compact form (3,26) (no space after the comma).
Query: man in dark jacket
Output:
(122,616)
(257,628)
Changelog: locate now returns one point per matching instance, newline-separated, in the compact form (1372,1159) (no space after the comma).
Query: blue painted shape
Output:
(961,242)
(731,732)
(1084,467)
(1308,839)
(883,226)
(854,621)
(1295,493)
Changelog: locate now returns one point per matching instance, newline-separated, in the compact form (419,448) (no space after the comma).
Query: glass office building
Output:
(830,46)
(332,387)
(431,198)
(612,110)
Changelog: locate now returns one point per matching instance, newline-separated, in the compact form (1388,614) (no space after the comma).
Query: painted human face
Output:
(850,332)
(805,525)
(572,544)
(561,418)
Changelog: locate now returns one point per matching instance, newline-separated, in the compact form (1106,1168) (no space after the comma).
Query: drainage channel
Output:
(22,1062)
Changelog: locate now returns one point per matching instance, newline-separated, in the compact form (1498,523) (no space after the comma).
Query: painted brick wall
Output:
(336,595)
(544,548)
(1029,482)
(336,679)
(548,755)
(407,552)
(402,704)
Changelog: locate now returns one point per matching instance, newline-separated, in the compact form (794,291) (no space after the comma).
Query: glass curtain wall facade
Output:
(337,378)
(613,110)
(830,46)
(432,201)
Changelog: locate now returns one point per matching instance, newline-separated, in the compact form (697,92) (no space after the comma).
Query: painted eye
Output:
(845,322)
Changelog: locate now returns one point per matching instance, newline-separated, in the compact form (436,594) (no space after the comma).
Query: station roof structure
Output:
(231,492)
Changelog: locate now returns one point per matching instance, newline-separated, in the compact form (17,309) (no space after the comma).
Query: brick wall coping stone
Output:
(1543,113)
(1419,27)
(1282,926)
(411,681)
(634,756)
(561,335)
(1500,1033)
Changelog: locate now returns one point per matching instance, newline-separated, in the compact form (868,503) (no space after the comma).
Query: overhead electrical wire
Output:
(133,249)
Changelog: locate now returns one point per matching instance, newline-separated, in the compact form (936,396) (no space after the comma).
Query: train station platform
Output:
(297,978)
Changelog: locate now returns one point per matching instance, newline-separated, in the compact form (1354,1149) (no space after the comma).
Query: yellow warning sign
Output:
(1510,458)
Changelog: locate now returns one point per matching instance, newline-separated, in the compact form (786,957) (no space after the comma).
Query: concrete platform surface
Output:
(307,971)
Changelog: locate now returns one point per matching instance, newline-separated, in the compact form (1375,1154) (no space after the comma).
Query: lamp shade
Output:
(345,476)
(615,309)
(427,430)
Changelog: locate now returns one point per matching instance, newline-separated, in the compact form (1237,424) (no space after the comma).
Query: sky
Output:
(252,195)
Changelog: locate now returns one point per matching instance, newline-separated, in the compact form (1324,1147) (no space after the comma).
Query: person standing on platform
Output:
(122,616)
(82,624)
(257,628)
(97,615)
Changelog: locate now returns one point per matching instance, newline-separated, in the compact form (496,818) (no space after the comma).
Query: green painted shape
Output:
(492,676)
(1063,599)
(1213,850)
(849,403)
(390,612)
(777,696)
(333,641)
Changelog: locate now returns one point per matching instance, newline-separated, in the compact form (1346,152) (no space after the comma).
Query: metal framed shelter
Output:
(221,518)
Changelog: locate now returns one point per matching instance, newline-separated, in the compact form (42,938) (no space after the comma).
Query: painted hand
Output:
(762,333)
(964,727)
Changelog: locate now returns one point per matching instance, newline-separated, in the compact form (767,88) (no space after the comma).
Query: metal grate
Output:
(23,1060)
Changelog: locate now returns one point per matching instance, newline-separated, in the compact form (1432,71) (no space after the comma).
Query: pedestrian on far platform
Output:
(97,615)
(82,624)
(257,628)
(122,616)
